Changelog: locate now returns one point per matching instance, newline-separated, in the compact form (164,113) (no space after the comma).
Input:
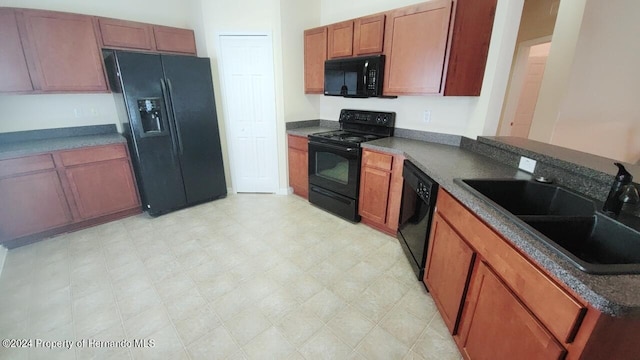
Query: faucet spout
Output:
(613,204)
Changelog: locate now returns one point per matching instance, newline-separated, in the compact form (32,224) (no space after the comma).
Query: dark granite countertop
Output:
(617,295)
(40,141)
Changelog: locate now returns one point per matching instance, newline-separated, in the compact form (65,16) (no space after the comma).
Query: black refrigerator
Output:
(168,115)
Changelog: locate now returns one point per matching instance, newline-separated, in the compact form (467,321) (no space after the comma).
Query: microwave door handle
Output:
(364,76)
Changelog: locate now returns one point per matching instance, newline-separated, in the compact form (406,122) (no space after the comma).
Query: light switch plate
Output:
(526,164)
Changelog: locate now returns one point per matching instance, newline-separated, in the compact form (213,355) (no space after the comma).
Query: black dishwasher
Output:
(418,200)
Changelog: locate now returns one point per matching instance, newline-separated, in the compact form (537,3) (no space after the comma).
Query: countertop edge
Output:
(552,264)
(33,147)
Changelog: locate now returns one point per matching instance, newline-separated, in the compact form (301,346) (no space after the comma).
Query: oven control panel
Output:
(386,119)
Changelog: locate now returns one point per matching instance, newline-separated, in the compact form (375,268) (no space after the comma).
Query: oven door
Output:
(335,168)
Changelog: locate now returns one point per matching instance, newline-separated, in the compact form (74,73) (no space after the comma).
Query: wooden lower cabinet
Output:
(498,304)
(102,188)
(380,190)
(496,325)
(51,193)
(32,203)
(298,154)
(447,273)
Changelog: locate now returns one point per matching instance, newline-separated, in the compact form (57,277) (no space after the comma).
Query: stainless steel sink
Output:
(565,221)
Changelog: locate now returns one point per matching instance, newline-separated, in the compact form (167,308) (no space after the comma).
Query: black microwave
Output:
(354,77)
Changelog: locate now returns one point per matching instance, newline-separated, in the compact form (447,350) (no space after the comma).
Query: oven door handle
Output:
(336,197)
(333,146)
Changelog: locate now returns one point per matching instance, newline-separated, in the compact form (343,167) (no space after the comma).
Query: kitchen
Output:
(464,115)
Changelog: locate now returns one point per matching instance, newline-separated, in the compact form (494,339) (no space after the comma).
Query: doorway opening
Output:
(533,44)
(526,79)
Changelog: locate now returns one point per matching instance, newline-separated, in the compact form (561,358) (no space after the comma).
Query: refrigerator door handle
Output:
(173,115)
(167,105)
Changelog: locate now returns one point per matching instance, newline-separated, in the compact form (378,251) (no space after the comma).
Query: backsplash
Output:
(590,182)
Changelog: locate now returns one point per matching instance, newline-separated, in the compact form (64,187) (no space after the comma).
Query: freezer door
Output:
(193,108)
(150,135)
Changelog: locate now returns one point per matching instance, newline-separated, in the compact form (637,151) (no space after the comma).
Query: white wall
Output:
(599,113)
(469,116)
(296,17)
(30,112)
(555,81)
(259,16)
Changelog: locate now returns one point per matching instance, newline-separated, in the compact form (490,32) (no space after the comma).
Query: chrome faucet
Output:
(622,191)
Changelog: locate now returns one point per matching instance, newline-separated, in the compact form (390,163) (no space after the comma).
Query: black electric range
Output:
(335,156)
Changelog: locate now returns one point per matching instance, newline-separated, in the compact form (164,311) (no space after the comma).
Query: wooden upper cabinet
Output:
(340,37)
(64,52)
(496,325)
(472,29)
(126,34)
(14,73)
(368,35)
(174,40)
(315,54)
(415,46)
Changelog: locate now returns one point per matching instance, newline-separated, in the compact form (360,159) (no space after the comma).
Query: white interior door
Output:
(248,90)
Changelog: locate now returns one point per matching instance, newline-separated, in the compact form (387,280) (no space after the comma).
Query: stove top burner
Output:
(346,136)
(357,126)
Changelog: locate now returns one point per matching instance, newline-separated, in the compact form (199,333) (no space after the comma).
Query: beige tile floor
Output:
(246,277)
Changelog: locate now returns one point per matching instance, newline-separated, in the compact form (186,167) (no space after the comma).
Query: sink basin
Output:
(521,197)
(566,222)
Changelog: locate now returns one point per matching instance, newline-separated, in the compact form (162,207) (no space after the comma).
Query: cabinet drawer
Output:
(93,154)
(26,164)
(553,306)
(377,160)
(299,142)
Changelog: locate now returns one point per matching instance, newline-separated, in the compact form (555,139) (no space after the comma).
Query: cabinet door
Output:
(315,53)
(415,45)
(374,194)
(469,47)
(448,268)
(368,35)
(340,38)
(126,34)
(174,40)
(496,325)
(299,165)
(14,73)
(299,172)
(32,203)
(102,188)
(65,52)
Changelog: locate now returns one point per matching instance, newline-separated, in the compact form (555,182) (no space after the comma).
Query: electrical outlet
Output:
(526,164)
(426,116)
(77,113)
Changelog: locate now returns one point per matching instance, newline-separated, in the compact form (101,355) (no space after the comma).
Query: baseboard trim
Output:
(285,191)
(3,256)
